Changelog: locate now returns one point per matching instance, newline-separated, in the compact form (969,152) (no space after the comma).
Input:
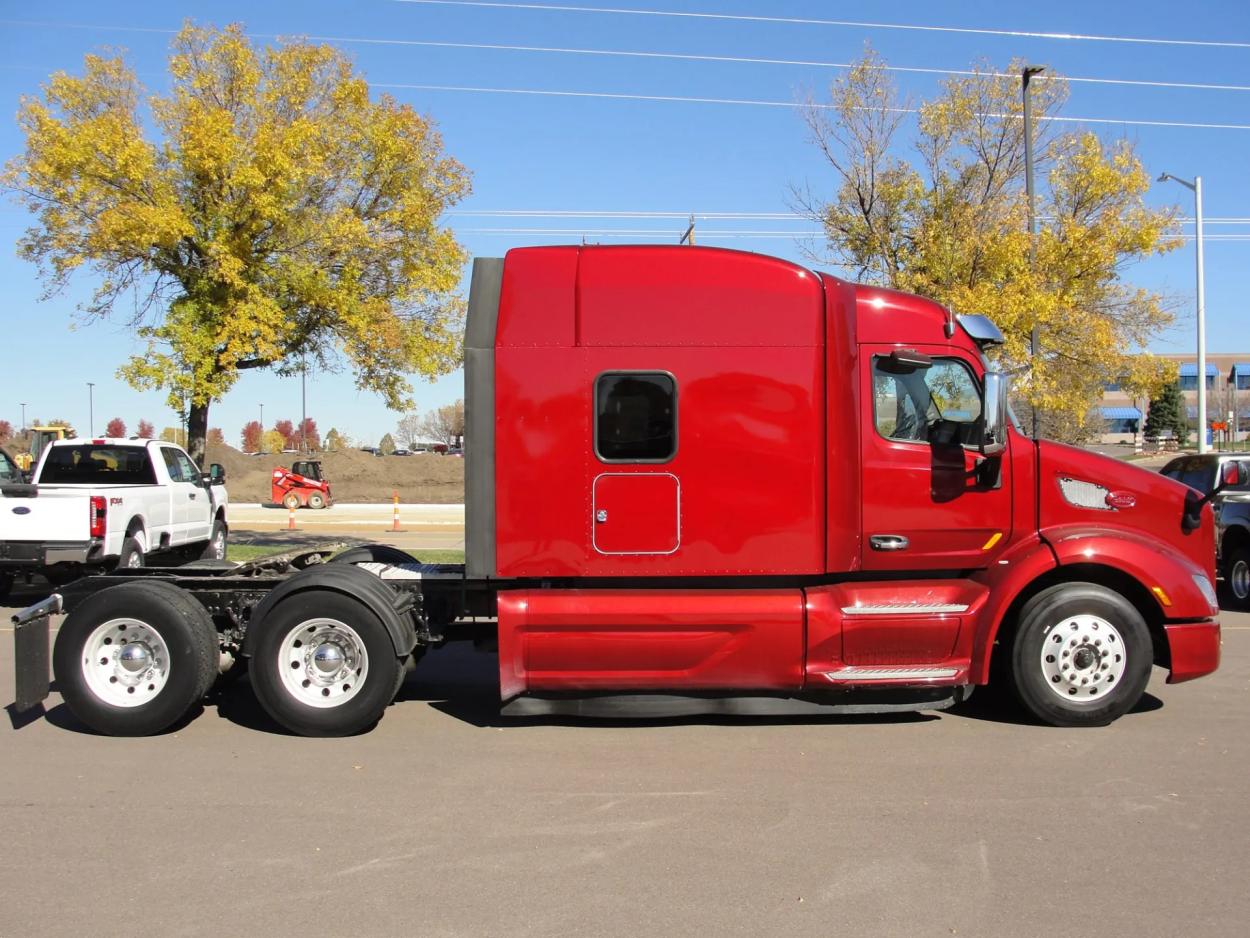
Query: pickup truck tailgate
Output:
(51,515)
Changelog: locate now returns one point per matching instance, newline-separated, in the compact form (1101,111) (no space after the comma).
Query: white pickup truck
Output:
(100,503)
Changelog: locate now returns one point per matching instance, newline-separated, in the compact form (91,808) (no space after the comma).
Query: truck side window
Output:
(635,417)
(172,465)
(941,403)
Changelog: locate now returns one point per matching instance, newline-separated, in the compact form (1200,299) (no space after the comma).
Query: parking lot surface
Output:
(448,820)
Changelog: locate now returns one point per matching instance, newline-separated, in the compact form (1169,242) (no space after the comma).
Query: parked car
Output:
(103,503)
(1232,518)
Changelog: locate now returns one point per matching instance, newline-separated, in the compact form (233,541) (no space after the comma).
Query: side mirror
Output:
(216,474)
(994,418)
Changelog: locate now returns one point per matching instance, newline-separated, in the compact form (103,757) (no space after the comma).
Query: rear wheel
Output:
(375,553)
(131,555)
(1081,655)
(322,664)
(216,547)
(1237,576)
(132,659)
(316,501)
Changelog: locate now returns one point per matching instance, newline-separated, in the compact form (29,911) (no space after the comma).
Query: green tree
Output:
(949,223)
(387,446)
(334,443)
(1167,412)
(280,215)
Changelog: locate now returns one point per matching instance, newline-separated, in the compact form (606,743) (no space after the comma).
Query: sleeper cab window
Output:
(939,404)
(635,416)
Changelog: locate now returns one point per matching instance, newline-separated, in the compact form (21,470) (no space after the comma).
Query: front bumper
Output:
(31,555)
(1194,648)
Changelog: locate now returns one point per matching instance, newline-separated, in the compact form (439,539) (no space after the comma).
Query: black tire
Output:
(290,501)
(1072,619)
(288,700)
(316,501)
(182,624)
(374,553)
(131,554)
(215,549)
(1237,577)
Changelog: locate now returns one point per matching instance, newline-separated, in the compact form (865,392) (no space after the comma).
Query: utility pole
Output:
(1196,188)
(90,408)
(1028,72)
(688,237)
(23,418)
(303,397)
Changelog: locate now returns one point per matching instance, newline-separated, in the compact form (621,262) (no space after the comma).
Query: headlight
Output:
(1207,590)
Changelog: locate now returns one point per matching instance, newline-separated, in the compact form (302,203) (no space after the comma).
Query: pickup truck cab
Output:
(96,504)
(1231,505)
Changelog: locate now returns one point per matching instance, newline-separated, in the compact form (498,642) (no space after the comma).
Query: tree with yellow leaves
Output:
(950,223)
(280,214)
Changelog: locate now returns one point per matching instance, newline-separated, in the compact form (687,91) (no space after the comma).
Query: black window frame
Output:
(628,373)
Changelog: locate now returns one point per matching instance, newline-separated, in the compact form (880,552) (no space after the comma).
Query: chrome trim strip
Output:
(890,674)
(890,609)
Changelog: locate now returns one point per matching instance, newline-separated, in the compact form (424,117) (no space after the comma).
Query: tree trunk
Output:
(197,433)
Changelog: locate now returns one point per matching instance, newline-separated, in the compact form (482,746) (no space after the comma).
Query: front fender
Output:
(1018,568)
(1167,575)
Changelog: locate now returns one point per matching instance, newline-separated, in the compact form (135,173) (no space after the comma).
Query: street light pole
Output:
(23,417)
(1196,188)
(90,408)
(1028,72)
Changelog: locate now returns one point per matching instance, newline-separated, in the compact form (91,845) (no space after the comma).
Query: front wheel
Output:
(1081,656)
(323,664)
(134,658)
(1237,576)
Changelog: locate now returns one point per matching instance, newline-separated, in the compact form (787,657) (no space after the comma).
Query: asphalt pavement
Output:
(448,820)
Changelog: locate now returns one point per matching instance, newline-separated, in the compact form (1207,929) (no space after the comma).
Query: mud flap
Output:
(30,663)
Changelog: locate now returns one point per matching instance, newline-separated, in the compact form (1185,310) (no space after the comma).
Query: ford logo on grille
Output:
(21,510)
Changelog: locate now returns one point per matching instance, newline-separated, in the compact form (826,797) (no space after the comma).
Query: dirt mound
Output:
(354,476)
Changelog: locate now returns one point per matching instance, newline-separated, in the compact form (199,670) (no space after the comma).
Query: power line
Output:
(646,54)
(805,21)
(720,216)
(684,99)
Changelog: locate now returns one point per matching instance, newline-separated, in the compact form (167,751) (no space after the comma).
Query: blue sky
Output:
(593,154)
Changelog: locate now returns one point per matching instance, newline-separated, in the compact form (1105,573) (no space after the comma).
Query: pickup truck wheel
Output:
(323,664)
(291,501)
(216,547)
(316,501)
(131,555)
(1082,655)
(132,659)
(1237,575)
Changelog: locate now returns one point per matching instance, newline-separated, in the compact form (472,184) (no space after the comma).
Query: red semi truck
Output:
(700,480)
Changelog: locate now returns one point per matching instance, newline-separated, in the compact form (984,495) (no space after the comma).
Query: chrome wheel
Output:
(323,663)
(134,561)
(1239,580)
(1083,658)
(125,662)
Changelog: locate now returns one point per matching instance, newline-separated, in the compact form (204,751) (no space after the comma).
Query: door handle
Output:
(192,494)
(888,542)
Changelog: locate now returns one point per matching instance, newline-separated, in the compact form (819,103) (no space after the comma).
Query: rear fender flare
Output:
(391,607)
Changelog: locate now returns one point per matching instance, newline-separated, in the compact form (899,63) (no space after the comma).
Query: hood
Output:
(1077,487)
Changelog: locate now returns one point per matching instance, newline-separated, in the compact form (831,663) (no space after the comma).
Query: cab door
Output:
(930,501)
(184,493)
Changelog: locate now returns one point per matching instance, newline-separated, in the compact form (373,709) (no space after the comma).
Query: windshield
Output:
(97,465)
